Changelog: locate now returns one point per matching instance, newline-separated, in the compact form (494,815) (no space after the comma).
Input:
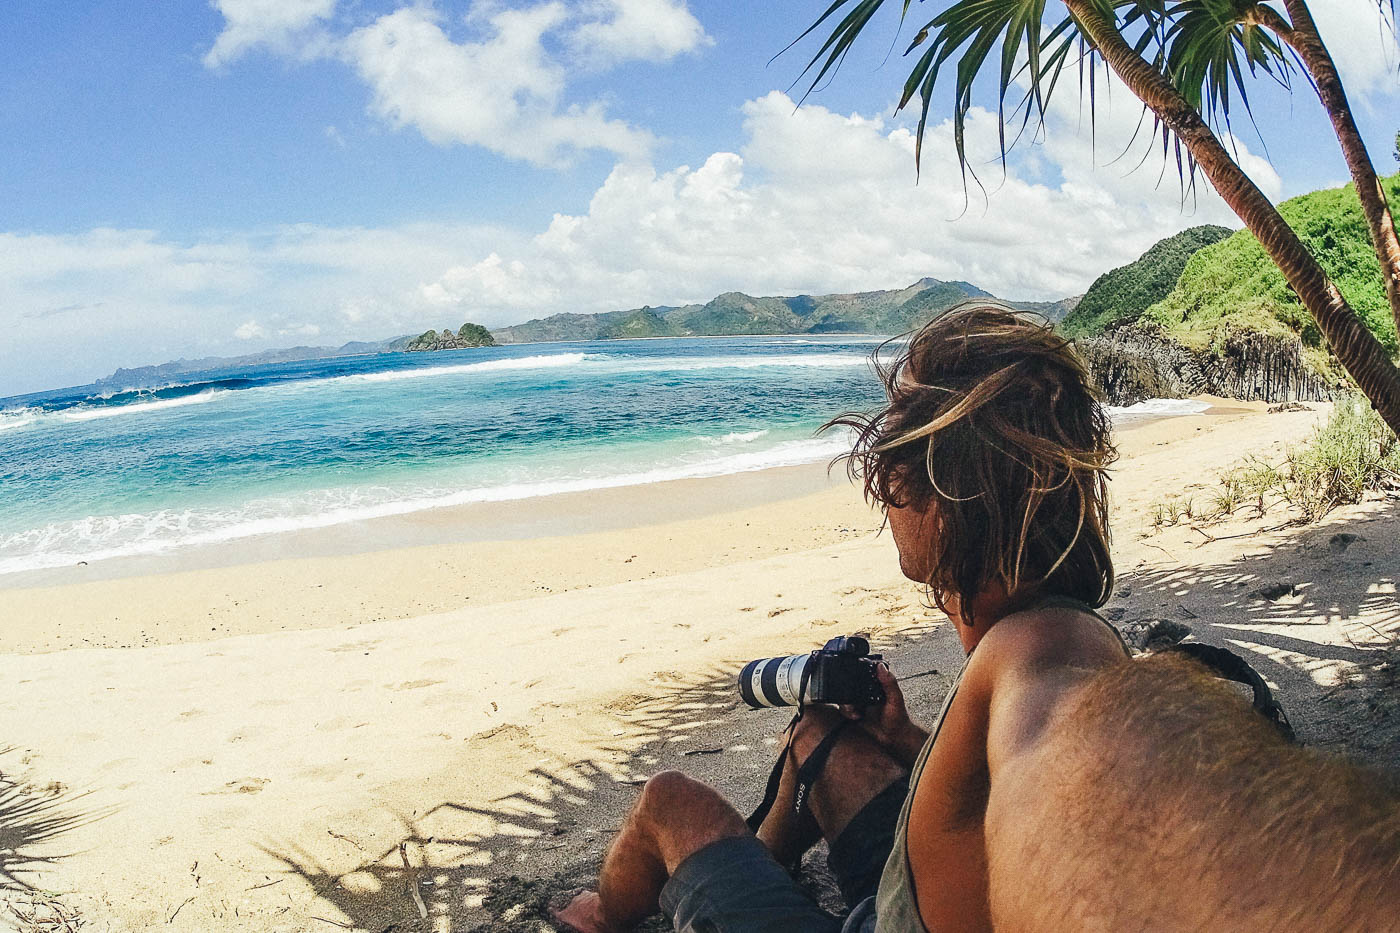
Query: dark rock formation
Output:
(1138,362)
(469,335)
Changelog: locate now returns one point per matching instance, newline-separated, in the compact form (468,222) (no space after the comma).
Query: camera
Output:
(840,672)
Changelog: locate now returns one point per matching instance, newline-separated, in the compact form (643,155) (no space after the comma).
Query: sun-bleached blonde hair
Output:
(992,423)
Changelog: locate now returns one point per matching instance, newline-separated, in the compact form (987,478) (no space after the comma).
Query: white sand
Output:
(246,744)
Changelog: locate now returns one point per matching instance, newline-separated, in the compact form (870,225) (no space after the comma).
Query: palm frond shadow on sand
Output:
(1317,614)
(497,867)
(31,821)
(459,853)
(539,843)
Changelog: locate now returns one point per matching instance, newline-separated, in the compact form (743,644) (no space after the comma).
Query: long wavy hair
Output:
(992,423)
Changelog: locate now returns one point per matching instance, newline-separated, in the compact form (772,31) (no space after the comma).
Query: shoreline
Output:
(250,746)
(474,555)
(553,514)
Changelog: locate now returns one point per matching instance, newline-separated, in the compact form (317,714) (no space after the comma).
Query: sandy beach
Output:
(256,738)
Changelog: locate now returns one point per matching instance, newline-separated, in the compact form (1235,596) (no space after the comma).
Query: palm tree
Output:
(1183,59)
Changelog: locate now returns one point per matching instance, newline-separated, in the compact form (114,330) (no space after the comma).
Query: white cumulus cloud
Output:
(1361,38)
(823,202)
(503,91)
(651,30)
(249,330)
(813,201)
(280,24)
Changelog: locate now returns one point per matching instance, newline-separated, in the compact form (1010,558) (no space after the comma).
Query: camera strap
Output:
(807,773)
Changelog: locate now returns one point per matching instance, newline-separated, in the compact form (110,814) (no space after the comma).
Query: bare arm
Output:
(1157,799)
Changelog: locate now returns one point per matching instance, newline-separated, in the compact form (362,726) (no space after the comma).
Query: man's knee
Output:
(668,793)
(682,815)
(814,726)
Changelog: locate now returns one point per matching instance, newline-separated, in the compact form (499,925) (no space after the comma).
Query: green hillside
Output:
(893,311)
(1122,294)
(1233,285)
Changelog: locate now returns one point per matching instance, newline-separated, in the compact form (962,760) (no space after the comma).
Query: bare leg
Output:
(676,817)
(857,770)
(673,818)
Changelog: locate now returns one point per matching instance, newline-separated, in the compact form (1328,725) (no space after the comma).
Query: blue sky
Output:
(191,178)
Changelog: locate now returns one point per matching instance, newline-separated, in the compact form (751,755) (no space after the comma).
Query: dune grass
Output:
(1353,454)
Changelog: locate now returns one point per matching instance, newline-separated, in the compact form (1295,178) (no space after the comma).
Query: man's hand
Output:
(889,723)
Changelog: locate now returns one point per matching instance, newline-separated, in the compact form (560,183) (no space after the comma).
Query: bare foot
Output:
(584,913)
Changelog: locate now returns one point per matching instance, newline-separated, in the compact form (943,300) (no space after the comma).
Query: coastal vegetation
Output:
(1187,62)
(1122,294)
(1352,455)
(467,336)
(1230,324)
(1233,285)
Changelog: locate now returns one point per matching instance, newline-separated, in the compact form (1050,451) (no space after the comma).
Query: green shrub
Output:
(1353,453)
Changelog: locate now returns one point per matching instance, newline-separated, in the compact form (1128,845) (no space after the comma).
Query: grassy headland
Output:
(1233,286)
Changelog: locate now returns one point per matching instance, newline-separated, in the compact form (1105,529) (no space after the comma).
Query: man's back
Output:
(1022,667)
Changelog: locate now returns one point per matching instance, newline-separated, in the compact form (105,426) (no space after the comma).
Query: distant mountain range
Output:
(735,313)
(893,311)
(141,377)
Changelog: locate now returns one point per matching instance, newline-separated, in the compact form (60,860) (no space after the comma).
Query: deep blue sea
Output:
(266,449)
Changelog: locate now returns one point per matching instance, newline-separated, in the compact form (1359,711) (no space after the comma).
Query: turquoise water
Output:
(233,453)
(88,475)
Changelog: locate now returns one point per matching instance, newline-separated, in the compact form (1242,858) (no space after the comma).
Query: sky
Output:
(193,178)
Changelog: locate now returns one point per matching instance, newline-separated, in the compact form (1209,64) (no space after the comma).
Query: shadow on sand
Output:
(1316,613)
(31,820)
(495,868)
(456,855)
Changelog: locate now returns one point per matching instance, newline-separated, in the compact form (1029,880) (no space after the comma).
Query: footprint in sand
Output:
(413,684)
(248,785)
(442,662)
(356,645)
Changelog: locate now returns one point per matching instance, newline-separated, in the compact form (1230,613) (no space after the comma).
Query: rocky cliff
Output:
(1138,362)
(469,335)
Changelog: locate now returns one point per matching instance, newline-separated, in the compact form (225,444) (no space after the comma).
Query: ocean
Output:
(87,475)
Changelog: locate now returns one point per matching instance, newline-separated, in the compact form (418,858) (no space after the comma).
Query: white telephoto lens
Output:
(789,680)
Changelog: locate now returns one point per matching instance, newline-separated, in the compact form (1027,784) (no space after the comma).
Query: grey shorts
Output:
(736,886)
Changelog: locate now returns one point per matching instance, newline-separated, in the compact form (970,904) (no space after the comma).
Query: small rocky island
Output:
(468,335)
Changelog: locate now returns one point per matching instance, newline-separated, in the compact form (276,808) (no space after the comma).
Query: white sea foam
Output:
(792,360)
(1155,408)
(733,437)
(103,537)
(12,418)
(546,361)
(85,413)
(604,364)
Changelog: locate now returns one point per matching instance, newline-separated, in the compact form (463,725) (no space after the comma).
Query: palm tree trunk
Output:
(1302,36)
(1354,345)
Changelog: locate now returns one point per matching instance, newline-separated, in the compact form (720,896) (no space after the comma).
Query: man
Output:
(989,460)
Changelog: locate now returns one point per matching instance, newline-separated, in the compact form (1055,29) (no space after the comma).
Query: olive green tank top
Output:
(896,908)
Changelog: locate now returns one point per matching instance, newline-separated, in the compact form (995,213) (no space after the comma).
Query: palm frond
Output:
(1210,47)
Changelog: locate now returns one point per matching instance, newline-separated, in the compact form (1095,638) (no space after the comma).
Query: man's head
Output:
(990,460)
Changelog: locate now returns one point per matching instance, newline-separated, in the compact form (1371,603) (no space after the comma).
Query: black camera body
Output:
(841,672)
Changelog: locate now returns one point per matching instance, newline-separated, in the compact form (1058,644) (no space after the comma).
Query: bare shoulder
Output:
(1028,664)
(1047,638)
